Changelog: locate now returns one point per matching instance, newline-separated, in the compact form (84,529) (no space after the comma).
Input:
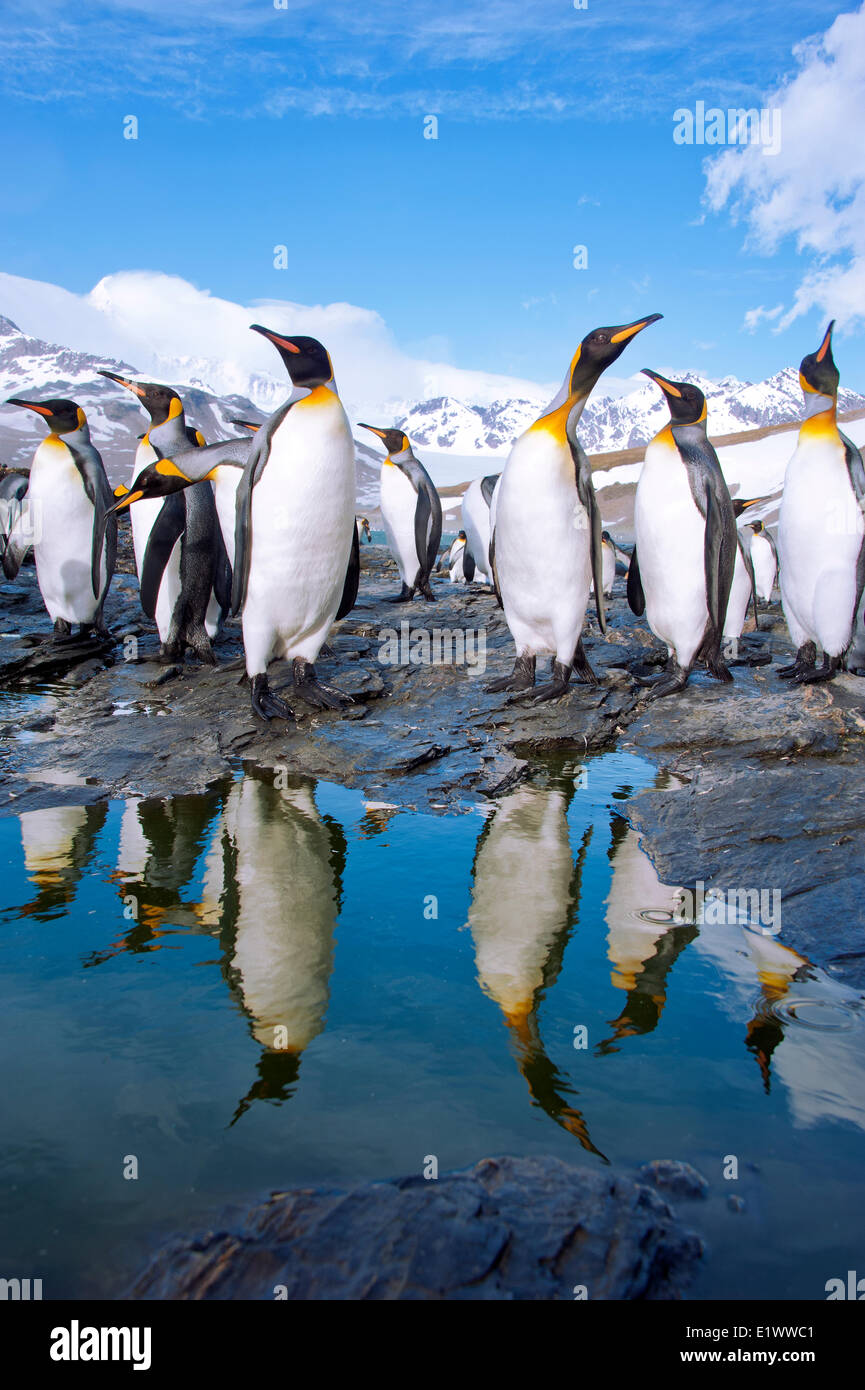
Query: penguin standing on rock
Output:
(70,500)
(821,528)
(743,590)
(183,569)
(682,565)
(764,557)
(412,513)
(546,541)
(288,492)
(476,520)
(460,561)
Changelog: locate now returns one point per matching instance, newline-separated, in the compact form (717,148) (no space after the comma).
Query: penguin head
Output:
(61,416)
(756,527)
(394,440)
(161,402)
(306,360)
(818,374)
(157,479)
(605,536)
(740,504)
(599,350)
(461,536)
(245,425)
(686,401)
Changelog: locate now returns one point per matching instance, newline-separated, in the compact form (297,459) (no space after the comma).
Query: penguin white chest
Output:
(302,517)
(542,546)
(670,537)
(820,534)
(763,560)
(64,516)
(398,506)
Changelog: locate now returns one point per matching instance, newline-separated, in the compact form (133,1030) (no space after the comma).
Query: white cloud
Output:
(813,190)
(165,326)
(754,317)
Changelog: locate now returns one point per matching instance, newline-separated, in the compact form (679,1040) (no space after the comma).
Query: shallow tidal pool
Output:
(278,985)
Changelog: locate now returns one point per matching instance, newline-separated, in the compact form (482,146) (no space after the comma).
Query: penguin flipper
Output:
(16,547)
(222,574)
(468,565)
(488,487)
(166,531)
(856,471)
(422,518)
(352,578)
(493,570)
(636,597)
(259,451)
(586,491)
(749,566)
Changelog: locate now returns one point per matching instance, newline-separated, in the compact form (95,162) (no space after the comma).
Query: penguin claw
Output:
(551,691)
(311,689)
(265,703)
(521,678)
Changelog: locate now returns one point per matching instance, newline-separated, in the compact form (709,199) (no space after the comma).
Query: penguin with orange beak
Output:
(411,511)
(681,569)
(69,500)
(821,528)
(546,546)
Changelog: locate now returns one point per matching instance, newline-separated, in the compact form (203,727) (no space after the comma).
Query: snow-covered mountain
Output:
(30,367)
(610,423)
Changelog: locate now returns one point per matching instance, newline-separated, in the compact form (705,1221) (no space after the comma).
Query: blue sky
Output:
(303,126)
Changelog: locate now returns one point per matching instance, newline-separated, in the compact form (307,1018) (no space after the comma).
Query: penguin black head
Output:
(306,359)
(740,504)
(161,402)
(394,440)
(461,536)
(605,536)
(756,527)
(157,479)
(686,401)
(818,374)
(61,416)
(599,350)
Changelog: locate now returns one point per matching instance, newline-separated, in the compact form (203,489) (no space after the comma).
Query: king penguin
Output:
(764,557)
(411,511)
(70,500)
(183,569)
(287,494)
(743,590)
(476,521)
(546,541)
(682,565)
(821,528)
(363,531)
(460,561)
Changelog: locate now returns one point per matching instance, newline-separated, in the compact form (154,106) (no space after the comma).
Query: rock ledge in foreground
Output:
(509,1228)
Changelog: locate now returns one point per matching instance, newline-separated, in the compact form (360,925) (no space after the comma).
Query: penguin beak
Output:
(278,341)
(630,330)
(826,343)
(30,405)
(752,502)
(666,386)
(125,501)
(132,386)
(372,429)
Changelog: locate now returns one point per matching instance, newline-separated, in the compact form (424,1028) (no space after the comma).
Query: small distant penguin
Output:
(546,540)
(363,531)
(743,590)
(412,514)
(70,496)
(13,490)
(681,570)
(183,569)
(476,520)
(296,560)
(821,528)
(460,561)
(764,558)
(609,563)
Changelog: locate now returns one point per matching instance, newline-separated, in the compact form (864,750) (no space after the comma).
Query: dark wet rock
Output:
(735,1203)
(670,1175)
(509,1228)
(795,828)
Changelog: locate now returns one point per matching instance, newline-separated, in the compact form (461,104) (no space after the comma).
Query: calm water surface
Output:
(268,986)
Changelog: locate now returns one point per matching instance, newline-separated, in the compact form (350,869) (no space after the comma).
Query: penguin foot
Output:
(827,672)
(265,703)
(427,592)
(675,678)
(719,669)
(806,660)
(62,629)
(556,687)
(310,688)
(200,643)
(405,595)
(521,678)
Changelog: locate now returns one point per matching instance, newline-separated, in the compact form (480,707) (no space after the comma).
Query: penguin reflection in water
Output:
(821,528)
(546,540)
(70,501)
(285,496)
(282,864)
(681,569)
(525,900)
